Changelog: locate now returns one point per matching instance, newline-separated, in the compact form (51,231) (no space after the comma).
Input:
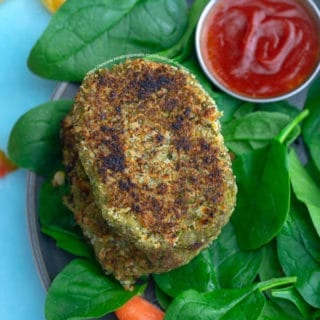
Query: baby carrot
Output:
(138,308)
(6,165)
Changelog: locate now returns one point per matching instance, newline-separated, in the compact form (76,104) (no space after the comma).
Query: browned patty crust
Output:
(149,150)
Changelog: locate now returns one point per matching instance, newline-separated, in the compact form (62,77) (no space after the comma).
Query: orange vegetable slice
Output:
(139,308)
(6,165)
(52,5)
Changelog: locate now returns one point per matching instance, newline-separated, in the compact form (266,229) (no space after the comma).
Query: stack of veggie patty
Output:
(151,179)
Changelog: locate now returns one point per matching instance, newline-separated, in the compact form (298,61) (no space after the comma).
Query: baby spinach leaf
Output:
(311,127)
(253,130)
(82,291)
(316,315)
(228,105)
(291,294)
(293,136)
(282,106)
(307,231)
(58,222)
(270,266)
(313,171)
(197,274)
(246,108)
(163,299)
(34,141)
(273,311)
(263,195)
(295,257)
(234,268)
(241,303)
(305,188)
(185,46)
(286,133)
(220,304)
(263,199)
(287,109)
(83,34)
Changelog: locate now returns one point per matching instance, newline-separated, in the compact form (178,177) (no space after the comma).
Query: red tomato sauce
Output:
(260,48)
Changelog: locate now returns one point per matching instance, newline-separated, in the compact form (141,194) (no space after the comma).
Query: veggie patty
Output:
(151,179)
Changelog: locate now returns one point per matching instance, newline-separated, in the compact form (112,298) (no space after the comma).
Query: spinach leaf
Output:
(197,274)
(305,188)
(271,268)
(295,257)
(293,136)
(316,315)
(228,105)
(263,198)
(163,299)
(234,268)
(311,127)
(241,303)
(273,311)
(246,108)
(221,304)
(83,34)
(291,294)
(185,46)
(282,106)
(57,221)
(312,170)
(307,231)
(82,291)
(34,141)
(270,265)
(253,130)
(286,133)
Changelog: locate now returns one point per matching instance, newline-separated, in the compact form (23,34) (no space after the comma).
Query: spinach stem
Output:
(269,284)
(284,133)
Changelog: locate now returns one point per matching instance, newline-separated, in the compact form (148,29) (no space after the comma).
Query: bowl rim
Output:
(312,7)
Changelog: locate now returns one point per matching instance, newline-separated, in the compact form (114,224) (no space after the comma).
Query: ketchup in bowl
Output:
(259,49)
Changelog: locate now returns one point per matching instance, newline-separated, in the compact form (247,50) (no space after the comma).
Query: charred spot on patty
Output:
(114,162)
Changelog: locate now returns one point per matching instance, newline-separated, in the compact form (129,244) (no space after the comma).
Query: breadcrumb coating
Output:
(151,178)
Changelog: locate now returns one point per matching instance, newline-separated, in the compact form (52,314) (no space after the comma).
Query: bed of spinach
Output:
(266,262)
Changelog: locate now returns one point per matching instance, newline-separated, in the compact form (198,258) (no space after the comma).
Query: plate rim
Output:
(33,227)
(32,218)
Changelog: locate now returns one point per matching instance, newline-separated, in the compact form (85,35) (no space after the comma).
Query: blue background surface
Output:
(21,23)
(22,295)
